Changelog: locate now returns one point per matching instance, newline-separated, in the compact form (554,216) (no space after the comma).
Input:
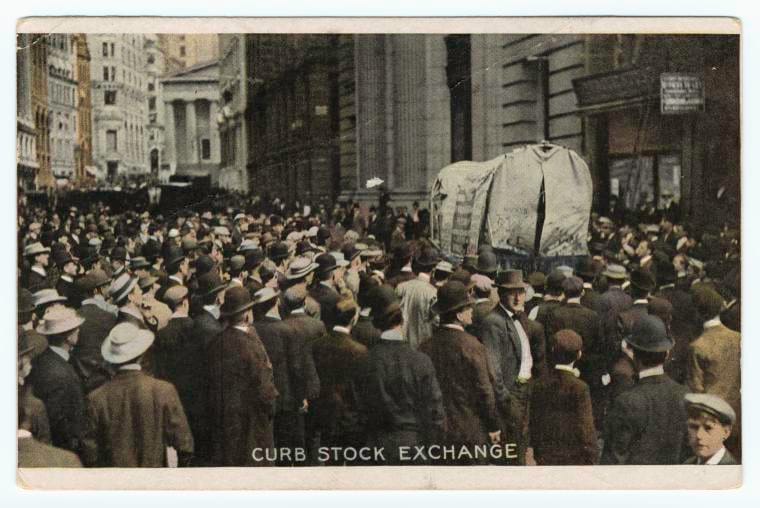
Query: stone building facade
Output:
(119,103)
(191,106)
(62,103)
(231,117)
(42,122)
(26,134)
(84,170)
(190,49)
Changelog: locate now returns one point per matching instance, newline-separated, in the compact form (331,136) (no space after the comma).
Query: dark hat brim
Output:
(327,268)
(661,346)
(523,285)
(215,290)
(236,310)
(458,306)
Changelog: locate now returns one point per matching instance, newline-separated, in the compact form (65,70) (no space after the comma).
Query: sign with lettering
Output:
(681,93)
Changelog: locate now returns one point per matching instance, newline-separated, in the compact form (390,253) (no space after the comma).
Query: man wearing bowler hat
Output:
(513,356)
(642,285)
(99,319)
(646,424)
(324,290)
(56,382)
(134,418)
(469,402)
(68,267)
(241,389)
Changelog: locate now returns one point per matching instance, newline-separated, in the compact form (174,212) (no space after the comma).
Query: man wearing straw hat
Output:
(56,382)
(134,418)
(241,389)
(38,257)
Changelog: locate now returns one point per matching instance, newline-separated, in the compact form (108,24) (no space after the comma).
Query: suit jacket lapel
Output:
(512,332)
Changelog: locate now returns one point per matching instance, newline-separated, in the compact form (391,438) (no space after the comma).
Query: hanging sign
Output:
(681,93)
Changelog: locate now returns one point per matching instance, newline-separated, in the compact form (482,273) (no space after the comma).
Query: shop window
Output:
(647,179)
(182,51)
(111,141)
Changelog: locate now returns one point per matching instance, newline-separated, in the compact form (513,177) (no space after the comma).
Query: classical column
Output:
(170,142)
(191,139)
(213,128)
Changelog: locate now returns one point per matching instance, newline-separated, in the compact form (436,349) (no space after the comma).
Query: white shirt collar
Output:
(652,371)
(365,312)
(712,323)
(577,300)
(60,352)
(178,314)
(67,278)
(326,283)
(213,310)
(39,270)
(131,366)
(23,434)
(715,459)
(236,282)
(242,328)
(641,301)
(175,278)
(273,314)
(394,335)
(587,285)
(407,268)
(568,368)
(342,329)
(481,300)
(299,311)
(454,326)
(509,312)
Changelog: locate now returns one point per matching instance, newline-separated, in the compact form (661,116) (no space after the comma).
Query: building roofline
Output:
(196,67)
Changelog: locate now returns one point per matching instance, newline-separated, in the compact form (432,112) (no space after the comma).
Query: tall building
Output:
(62,101)
(39,50)
(293,116)
(191,107)
(26,136)
(190,49)
(231,118)
(84,170)
(119,103)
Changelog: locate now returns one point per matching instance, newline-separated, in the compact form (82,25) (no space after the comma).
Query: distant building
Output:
(191,107)
(190,49)
(84,171)
(26,134)
(231,118)
(120,108)
(62,101)
(39,49)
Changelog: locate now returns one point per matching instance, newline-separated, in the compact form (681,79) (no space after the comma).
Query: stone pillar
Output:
(170,141)
(213,129)
(191,138)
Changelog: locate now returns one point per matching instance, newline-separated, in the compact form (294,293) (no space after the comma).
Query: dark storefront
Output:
(663,127)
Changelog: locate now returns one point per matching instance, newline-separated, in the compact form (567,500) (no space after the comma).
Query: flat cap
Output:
(713,405)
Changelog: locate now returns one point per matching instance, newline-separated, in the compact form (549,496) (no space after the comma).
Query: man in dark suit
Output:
(469,402)
(99,319)
(288,370)
(241,389)
(67,266)
(511,356)
(34,453)
(646,424)
(709,425)
(177,267)
(56,382)
(324,290)
(38,257)
(642,285)
(561,419)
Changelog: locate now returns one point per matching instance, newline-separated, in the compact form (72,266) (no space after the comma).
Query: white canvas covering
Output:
(458,203)
(506,191)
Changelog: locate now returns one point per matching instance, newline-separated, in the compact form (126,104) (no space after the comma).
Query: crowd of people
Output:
(247,335)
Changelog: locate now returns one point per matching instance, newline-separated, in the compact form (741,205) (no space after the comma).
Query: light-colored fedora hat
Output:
(126,342)
(59,319)
(35,248)
(47,296)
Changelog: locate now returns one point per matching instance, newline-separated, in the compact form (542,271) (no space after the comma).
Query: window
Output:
(151,59)
(111,141)
(110,97)
(182,51)
(105,73)
(113,49)
(152,103)
(105,49)
(151,86)
(205,149)
(113,73)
